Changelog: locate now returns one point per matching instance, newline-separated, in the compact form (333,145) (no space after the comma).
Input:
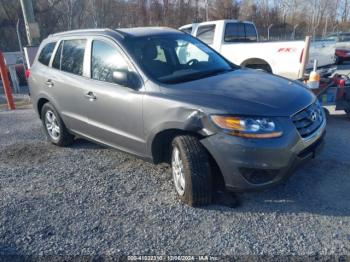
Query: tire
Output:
(194,168)
(263,67)
(326,112)
(339,61)
(50,118)
(347,111)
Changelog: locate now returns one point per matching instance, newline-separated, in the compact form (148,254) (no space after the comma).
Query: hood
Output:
(245,92)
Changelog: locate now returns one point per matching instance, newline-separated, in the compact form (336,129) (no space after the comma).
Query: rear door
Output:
(66,83)
(115,111)
(39,71)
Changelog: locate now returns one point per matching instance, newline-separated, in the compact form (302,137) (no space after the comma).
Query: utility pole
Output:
(32,28)
(325,29)
(206,10)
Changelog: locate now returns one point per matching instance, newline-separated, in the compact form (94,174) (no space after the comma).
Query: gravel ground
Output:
(90,200)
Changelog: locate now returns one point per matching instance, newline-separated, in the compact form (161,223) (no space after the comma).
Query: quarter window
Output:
(206,33)
(70,56)
(46,52)
(105,60)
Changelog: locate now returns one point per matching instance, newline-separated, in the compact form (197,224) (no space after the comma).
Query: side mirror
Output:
(126,78)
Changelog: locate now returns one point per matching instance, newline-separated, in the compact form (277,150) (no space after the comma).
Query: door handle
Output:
(91,96)
(49,83)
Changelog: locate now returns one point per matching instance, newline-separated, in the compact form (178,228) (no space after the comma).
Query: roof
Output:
(146,31)
(120,33)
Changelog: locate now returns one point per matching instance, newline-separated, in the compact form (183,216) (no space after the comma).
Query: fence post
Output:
(6,83)
(268,31)
(305,57)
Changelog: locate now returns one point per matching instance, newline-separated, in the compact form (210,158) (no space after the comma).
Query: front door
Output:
(115,111)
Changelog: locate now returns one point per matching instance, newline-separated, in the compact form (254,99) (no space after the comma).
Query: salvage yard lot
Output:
(87,199)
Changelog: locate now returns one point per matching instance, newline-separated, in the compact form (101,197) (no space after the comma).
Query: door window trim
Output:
(57,46)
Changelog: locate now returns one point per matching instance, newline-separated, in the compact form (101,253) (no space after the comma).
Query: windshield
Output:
(176,58)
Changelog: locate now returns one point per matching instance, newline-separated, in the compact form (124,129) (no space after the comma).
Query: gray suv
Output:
(165,96)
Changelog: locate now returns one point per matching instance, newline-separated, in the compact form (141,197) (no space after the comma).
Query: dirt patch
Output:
(21,102)
(25,153)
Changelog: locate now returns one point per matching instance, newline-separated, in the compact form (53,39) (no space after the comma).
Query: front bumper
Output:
(253,164)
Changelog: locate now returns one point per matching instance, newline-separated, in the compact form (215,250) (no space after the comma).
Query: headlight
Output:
(249,127)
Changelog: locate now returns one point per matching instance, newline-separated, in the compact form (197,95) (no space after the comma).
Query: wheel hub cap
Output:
(52,126)
(178,172)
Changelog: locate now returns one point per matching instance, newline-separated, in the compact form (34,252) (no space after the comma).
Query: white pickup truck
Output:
(238,41)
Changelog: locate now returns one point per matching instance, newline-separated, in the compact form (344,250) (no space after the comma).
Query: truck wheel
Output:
(191,171)
(339,61)
(54,127)
(347,111)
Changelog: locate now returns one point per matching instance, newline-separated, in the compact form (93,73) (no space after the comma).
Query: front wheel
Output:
(191,171)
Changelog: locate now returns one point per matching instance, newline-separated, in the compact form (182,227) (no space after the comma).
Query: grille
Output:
(308,120)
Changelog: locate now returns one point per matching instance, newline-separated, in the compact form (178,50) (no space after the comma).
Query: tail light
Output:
(27,73)
(301,56)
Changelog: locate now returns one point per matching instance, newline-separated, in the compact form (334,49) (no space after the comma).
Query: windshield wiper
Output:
(215,72)
(196,76)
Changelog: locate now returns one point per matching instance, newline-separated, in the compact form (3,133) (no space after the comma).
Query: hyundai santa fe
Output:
(142,91)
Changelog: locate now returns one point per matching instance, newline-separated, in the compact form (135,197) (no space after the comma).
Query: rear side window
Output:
(46,52)
(234,32)
(240,32)
(250,33)
(70,56)
(105,60)
(206,33)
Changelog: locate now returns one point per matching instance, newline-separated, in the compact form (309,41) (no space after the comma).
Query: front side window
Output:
(46,52)
(206,33)
(185,58)
(69,56)
(105,60)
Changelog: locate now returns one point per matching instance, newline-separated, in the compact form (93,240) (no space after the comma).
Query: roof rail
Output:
(88,30)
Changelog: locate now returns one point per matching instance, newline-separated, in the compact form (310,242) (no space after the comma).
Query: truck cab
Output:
(238,41)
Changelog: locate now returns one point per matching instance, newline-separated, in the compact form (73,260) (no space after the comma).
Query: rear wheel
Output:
(54,127)
(191,171)
(263,67)
(339,61)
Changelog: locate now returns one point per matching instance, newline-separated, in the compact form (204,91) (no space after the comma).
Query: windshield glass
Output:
(176,58)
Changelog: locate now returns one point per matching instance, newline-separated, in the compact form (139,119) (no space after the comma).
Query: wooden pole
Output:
(305,58)
(6,83)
